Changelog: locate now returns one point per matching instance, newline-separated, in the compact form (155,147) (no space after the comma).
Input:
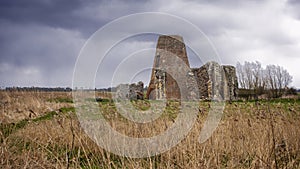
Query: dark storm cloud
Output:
(41,39)
(83,15)
(38,44)
(51,52)
(52,13)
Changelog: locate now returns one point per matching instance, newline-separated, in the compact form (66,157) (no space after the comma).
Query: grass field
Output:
(41,130)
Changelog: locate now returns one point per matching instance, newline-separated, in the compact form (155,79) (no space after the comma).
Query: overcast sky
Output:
(41,39)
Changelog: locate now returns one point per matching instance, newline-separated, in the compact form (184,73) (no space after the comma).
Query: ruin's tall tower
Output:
(171,69)
(170,52)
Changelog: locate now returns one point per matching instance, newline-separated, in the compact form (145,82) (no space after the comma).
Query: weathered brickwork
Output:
(130,91)
(171,69)
(170,54)
(216,81)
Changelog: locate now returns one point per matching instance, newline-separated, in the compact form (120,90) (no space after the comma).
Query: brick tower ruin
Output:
(170,52)
(211,80)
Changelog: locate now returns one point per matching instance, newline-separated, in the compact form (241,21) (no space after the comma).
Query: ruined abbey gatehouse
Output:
(211,79)
(172,78)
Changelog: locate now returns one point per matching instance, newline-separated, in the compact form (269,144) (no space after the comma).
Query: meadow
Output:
(41,130)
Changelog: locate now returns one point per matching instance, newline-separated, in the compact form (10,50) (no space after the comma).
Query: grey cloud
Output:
(121,55)
(53,13)
(46,36)
(40,39)
(50,52)
(84,16)
(293,2)
(293,8)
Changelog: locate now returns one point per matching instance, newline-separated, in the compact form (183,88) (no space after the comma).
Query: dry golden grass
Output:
(16,106)
(250,135)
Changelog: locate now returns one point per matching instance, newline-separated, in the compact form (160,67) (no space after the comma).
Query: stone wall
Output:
(216,81)
(132,91)
(171,69)
(231,82)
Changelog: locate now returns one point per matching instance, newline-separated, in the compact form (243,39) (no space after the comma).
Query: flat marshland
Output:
(41,130)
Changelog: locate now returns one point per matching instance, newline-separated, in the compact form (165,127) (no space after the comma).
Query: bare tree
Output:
(287,78)
(251,75)
(241,75)
(257,79)
(271,78)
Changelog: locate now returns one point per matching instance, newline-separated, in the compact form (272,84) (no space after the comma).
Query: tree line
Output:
(273,79)
(44,89)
